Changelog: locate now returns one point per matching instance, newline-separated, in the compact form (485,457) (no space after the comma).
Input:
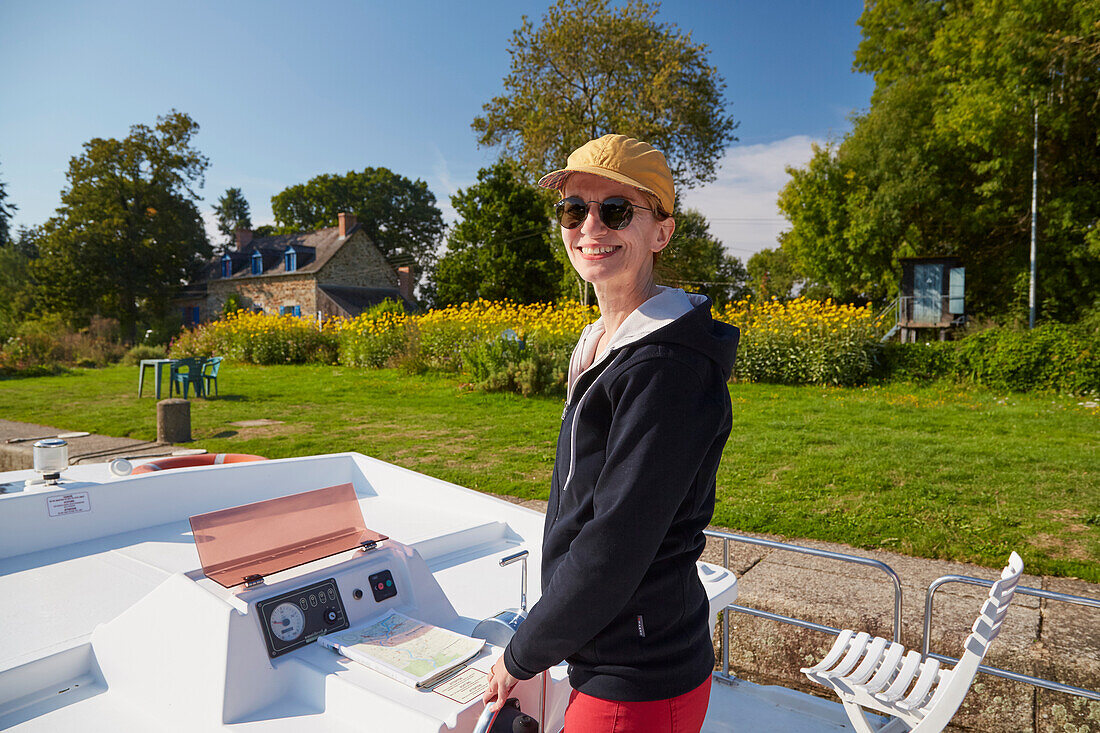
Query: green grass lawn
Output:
(942,471)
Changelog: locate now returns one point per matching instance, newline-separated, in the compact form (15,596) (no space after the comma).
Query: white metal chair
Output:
(877,674)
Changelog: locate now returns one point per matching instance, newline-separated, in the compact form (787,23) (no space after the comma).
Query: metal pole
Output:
(1034,217)
(726,614)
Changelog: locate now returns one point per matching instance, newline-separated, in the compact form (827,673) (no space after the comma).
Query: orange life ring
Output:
(207,459)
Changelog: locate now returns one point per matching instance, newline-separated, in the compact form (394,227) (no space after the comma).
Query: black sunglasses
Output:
(615,212)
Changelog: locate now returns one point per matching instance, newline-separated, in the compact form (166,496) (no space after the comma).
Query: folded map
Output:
(404,648)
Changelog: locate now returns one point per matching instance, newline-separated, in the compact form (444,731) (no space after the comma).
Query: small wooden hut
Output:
(932,295)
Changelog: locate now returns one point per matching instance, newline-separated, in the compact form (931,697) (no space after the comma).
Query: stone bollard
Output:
(174,421)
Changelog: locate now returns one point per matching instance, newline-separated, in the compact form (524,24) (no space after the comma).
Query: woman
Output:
(646,418)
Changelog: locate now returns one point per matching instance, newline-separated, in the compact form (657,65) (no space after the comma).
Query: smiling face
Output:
(614,260)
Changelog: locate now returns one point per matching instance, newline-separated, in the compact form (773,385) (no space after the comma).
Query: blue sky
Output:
(284,91)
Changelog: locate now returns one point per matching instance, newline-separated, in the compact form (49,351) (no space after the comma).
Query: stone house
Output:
(336,271)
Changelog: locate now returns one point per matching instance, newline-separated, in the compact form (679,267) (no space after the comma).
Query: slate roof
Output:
(314,250)
(357,299)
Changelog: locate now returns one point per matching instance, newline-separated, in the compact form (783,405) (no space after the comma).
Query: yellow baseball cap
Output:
(621,159)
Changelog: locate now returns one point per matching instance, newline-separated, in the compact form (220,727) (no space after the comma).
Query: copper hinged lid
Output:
(268,536)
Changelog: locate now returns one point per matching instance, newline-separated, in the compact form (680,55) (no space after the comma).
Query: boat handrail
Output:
(727,537)
(997,671)
(1039,682)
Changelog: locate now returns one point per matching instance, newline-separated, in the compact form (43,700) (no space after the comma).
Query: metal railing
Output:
(888,314)
(927,310)
(727,537)
(1046,684)
(997,671)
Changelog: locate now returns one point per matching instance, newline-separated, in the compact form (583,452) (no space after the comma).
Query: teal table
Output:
(158,365)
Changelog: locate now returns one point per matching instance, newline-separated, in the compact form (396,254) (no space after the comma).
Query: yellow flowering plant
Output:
(803,341)
(796,342)
(260,338)
(381,336)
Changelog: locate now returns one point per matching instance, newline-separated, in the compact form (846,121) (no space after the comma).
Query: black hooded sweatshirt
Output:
(632,491)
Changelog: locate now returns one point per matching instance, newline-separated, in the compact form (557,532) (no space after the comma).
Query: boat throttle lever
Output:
(499,629)
(509,719)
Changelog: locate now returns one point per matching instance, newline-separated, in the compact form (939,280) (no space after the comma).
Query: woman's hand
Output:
(500,684)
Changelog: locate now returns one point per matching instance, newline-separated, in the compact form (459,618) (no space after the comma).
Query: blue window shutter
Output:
(183,316)
(227,266)
(195,314)
(257,264)
(297,311)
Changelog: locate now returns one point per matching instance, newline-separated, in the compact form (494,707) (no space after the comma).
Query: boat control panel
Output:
(293,619)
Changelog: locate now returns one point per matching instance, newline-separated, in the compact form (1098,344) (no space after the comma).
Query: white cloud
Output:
(741,204)
(447,186)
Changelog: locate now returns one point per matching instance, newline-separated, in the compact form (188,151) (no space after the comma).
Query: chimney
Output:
(244,236)
(405,283)
(347,223)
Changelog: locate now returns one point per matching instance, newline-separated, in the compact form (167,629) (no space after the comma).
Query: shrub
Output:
(259,338)
(443,344)
(371,339)
(803,342)
(510,364)
(920,362)
(49,342)
(1051,356)
(232,304)
(134,356)
(386,306)
(440,339)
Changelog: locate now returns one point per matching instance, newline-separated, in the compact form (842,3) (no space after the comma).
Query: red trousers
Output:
(681,714)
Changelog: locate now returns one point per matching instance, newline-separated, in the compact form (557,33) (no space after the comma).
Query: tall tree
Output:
(695,260)
(501,247)
(7,210)
(941,162)
(128,232)
(590,69)
(233,213)
(16,280)
(771,275)
(398,214)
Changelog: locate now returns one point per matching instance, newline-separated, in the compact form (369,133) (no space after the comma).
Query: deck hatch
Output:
(268,536)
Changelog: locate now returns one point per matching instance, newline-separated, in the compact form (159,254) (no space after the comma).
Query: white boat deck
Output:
(111,625)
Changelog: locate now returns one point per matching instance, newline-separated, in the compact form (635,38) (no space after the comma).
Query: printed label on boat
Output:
(464,686)
(63,504)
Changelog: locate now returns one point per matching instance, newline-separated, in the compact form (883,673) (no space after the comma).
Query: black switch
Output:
(331,616)
(382,585)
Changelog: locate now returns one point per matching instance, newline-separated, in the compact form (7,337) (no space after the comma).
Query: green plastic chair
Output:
(210,374)
(187,373)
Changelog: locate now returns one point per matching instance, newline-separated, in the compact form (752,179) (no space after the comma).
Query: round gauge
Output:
(287,621)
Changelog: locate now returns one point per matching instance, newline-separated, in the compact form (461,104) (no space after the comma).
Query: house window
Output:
(190,315)
(227,266)
(257,263)
(291,310)
(291,258)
